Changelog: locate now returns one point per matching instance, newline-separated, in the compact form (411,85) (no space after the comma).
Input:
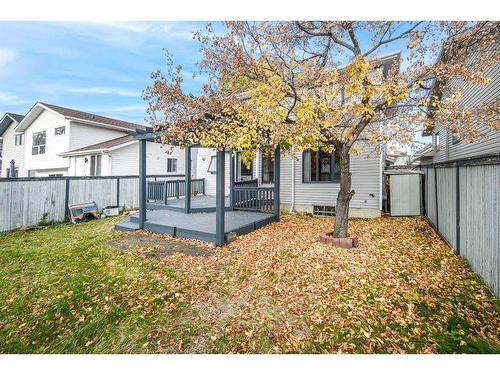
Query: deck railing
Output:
(160,191)
(253,198)
(247,183)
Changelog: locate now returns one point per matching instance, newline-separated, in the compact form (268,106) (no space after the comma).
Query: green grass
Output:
(64,289)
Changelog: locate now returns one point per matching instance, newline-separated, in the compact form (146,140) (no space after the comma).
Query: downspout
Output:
(292,206)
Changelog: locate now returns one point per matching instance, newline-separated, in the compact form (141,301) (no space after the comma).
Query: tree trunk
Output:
(345,194)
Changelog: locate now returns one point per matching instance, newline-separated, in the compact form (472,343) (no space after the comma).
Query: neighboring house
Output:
(398,158)
(424,155)
(448,146)
(118,157)
(58,141)
(11,145)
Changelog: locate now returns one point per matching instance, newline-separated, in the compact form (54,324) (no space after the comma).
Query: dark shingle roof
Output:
(6,123)
(15,116)
(92,117)
(106,144)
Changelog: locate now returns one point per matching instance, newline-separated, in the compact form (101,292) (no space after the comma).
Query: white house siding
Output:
(125,160)
(12,152)
(471,97)
(203,161)
(80,165)
(82,135)
(366,180)
(47,121)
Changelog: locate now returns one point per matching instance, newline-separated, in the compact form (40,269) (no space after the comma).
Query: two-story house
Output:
(448,146)
(11,146)
(57,141)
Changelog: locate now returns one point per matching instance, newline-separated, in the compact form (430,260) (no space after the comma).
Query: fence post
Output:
(165,192)
(457,182)
(277,181)
(142,183)
(177,189)
(187,180)
(66,200)
(220,232)
(118,191)
(231,181)
(436,197)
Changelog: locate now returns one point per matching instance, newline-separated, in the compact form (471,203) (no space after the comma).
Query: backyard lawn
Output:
(87,289)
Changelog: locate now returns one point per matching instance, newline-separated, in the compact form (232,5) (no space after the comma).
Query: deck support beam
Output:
(277,158)
(231,180)
(220,230)
(187,182)
(142,183)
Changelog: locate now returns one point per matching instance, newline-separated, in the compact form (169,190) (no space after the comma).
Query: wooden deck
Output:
(200,225)
(199,203)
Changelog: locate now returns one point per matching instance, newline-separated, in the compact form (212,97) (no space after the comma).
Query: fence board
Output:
(25,201)
(479,219)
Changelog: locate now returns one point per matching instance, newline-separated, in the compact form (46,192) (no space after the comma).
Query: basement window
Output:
(324,210)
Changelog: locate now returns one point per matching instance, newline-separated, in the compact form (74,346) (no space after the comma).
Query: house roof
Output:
(101,146)
(75,115)
(7,119)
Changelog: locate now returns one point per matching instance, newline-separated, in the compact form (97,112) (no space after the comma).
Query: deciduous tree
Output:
(326,85)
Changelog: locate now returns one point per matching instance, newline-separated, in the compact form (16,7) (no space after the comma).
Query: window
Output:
(171,165)
(324,210)
(212,167)
(18,139)
(455,138)
(60,130)
(437,141)
(245,171)
(319,166)
(267,169)
(95,165)
(38,143)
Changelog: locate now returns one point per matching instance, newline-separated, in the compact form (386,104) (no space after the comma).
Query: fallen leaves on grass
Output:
(274,290)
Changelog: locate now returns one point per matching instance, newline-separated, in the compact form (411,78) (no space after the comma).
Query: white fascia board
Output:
(122,145)
(27,120)
(83,153)
(99,124)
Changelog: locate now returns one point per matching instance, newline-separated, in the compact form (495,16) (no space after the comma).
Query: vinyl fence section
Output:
(462,202)
(25,202)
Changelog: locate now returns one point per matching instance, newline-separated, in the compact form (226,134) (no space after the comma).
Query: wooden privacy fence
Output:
(26,202)
(462,202)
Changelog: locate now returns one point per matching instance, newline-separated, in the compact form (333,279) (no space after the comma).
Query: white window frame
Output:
(212,167)
(60,128)
(171,165)
(18,136)
(96,165)
(437,141)
(41,148)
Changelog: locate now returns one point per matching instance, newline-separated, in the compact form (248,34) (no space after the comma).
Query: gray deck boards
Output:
(197,225)
(200,201)
(204,221)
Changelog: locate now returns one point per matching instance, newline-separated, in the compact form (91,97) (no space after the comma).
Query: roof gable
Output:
(79,116)
(7,121)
